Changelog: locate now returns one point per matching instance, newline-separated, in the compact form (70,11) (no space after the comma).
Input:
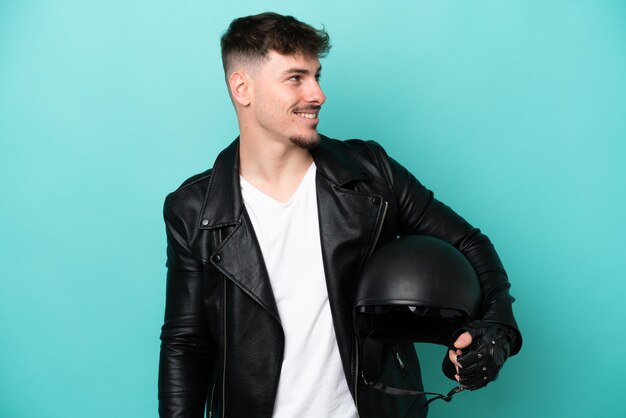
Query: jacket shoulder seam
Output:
(378,154)
(195,179)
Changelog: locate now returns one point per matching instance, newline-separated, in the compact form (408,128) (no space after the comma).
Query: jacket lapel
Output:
(239,256)
(347,221)
(241,260)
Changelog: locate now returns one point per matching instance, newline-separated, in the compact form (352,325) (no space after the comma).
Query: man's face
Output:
(287,98)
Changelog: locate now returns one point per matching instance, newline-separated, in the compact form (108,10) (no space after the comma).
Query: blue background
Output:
(513,112)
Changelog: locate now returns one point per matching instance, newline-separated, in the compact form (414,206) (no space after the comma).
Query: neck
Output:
(274,168)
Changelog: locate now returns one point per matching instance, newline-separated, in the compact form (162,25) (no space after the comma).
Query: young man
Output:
(265,248)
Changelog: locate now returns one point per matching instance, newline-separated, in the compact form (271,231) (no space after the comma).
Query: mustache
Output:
(308,107)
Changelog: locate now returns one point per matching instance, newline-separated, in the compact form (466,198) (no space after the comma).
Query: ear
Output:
(239,84)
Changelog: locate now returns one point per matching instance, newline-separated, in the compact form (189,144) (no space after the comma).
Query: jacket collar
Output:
(335,164)
(225,205)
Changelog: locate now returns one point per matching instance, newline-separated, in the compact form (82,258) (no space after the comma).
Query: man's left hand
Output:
(479,354)
(463,341)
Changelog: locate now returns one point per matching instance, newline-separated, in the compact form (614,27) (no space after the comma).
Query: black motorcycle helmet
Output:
(414,289)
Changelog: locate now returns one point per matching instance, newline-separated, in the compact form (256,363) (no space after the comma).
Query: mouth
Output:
(308,113)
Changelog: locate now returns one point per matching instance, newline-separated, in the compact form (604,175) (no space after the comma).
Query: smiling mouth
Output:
(306,115)
(308,112)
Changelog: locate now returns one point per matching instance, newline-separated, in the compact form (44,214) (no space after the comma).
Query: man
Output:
(265,248)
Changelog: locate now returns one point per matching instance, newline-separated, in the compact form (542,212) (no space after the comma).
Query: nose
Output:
(315,93)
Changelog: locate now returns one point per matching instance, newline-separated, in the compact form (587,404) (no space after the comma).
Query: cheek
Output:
(277,110)
(276,107)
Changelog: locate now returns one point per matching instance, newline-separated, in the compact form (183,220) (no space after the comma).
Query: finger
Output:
(463,341)
(452,355)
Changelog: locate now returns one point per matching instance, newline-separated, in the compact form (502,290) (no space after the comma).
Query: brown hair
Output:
(251,38)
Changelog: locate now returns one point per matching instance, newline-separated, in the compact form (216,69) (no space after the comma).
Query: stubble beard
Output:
(306,142)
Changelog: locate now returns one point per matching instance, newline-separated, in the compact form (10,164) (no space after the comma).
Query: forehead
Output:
(278,63)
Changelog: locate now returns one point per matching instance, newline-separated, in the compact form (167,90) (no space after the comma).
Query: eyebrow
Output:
(296,70)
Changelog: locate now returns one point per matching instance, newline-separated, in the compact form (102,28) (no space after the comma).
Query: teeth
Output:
(307,115)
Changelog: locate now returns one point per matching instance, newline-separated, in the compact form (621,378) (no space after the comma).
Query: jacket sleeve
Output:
(186,346)
(420,213)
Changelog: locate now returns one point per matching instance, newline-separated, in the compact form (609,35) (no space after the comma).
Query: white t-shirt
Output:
(312,383)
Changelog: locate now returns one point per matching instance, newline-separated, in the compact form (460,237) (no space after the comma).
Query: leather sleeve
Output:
(420,213)
(186,346)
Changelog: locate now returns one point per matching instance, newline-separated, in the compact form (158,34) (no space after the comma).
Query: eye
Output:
(295,78)
(317,77)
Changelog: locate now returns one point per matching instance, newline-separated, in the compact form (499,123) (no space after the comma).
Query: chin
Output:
(306,142)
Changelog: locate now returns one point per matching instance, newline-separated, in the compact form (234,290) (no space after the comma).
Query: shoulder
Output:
(368,154)
(359,149)
(189,196)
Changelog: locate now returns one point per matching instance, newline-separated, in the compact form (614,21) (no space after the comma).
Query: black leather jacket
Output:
(222,341)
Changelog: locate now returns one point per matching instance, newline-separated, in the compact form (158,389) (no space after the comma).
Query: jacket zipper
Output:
(211,402)
(399,361)
(225,346)
(356,378)
(379,228)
